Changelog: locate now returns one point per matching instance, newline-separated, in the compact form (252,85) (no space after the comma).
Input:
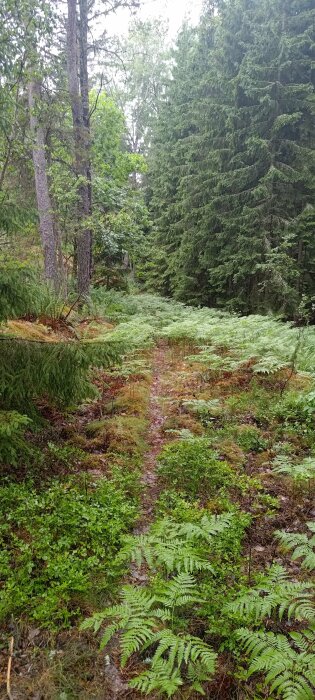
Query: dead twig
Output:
(11,645)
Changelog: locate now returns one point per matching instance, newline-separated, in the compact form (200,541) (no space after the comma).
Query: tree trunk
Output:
(80,117)
(45,212)
(84,83)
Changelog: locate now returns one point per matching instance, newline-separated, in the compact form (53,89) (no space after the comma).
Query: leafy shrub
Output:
(193,467)
(53,543)
(249,438)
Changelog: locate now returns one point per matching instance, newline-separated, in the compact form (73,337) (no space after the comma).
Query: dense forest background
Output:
(190,168)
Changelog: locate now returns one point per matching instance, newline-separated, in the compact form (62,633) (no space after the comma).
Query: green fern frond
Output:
(141,619)
(275,594)
(183,650)
(303,546)
(174,546)
(269,364)
(160,679)
(180,590)
(289,672)
(304,471)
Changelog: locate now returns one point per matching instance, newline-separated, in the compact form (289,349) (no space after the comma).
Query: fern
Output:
(304,471)
(159,679)
(179,591)
(269,364)
(302,546)
(288,663)
(141,619)
(185,651)
(174,546)
(135,616)
(275,595)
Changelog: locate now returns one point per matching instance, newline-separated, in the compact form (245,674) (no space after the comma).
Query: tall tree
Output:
(242,208)
(44,205)
(78,91)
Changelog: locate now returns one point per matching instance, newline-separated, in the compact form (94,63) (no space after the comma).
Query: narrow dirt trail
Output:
(154,440)
(117,688)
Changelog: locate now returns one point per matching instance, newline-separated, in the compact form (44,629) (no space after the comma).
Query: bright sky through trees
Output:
(175,11)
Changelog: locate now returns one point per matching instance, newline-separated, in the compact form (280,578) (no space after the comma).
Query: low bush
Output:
(53,545)
(194,468)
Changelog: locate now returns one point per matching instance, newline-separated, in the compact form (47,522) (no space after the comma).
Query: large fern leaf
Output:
(289,673)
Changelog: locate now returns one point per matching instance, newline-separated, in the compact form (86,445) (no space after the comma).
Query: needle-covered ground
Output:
(170,517)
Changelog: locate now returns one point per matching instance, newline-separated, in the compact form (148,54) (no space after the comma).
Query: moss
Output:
(183,422)
(96,426)
(126,434)
(232,452)
(133,399)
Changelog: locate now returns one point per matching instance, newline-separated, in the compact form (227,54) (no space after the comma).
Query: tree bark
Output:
(44,206)
(78,76)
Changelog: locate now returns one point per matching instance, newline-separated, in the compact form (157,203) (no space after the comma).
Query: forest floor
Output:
(175,437)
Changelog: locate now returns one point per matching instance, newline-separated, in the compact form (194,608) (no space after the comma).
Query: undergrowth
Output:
(223,600)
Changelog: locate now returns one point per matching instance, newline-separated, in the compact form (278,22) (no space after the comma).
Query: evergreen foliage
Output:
(12,442)
(58,372)
(232,173)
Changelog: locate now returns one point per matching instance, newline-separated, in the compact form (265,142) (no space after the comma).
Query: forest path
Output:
(116,685)
(155,439)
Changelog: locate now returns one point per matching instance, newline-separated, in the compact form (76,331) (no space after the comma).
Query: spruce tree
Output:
(242,204)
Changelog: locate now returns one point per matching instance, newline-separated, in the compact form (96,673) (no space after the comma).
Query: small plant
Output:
(301,546)
(287,662)
(301,473)
(142,618)
(206,411)
(249,438)
(194,468)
